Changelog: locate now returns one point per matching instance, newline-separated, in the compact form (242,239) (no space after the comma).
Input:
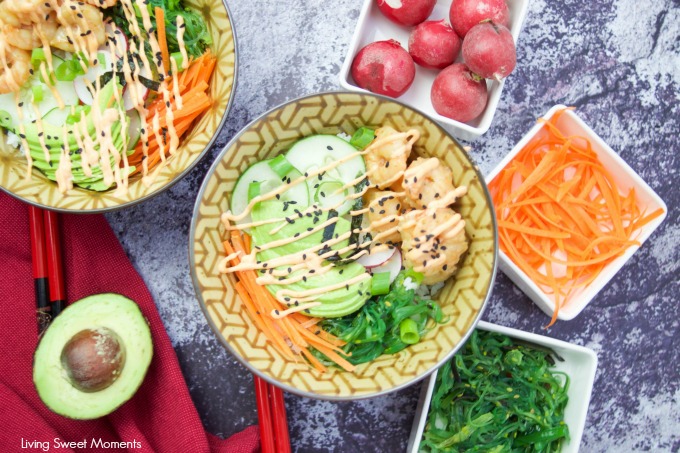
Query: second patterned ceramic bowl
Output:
(40,191)
(462,299)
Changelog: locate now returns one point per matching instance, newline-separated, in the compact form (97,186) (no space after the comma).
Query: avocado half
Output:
(93,357)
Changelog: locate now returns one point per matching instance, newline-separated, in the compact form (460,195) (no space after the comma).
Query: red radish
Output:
(489,51)
(384,67)
(434,44)
(120,41)
(465,14)
(406,12)
(458,94)
(376,258)
(92,74)
(392,265)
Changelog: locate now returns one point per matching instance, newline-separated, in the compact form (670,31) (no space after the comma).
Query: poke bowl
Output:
(269,244)
(91,124)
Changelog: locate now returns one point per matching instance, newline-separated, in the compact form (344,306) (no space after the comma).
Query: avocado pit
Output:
(93,359)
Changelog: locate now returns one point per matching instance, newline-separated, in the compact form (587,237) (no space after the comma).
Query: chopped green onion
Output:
(102,60)
(37,93)
(253,190)
(362,137)
(37,57)
(5,119)
(177,56)
(65,72)
(280,165)
(380,283)
(415,276)
(77,113)
(408,331)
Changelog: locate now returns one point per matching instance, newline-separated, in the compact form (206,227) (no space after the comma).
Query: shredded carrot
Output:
(193,87)
(162,38)
(561,216)
(292,335)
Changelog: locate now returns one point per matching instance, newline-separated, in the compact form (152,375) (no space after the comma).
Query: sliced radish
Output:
(121,42)
(140,89)
(93,73)
(376,259)
(392,265)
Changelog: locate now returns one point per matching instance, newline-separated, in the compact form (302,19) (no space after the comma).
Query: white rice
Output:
(345,137)
(429,291)
(13,139)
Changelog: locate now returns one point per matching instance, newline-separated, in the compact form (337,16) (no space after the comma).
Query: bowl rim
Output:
(178,176)
(243,361)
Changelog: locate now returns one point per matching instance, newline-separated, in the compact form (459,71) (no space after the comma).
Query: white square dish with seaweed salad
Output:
(577,362)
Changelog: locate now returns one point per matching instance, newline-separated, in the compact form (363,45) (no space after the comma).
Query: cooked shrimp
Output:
(386,156)
(384,209)
(24,12)
(102,3)
(433,242)
(15,65)
(79,21)
(427,180)
(29,37)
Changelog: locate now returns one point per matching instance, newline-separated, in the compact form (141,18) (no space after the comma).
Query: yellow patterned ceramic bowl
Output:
(462,299)
(40,191)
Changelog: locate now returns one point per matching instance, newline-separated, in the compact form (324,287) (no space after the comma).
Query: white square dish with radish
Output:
(373,26)
(613,199)
(576,362)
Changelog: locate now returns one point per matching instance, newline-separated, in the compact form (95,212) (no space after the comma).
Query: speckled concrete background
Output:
(617,62)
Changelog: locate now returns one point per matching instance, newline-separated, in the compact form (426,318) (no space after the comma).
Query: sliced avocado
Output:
(93,357)
(53,137)
(335,303)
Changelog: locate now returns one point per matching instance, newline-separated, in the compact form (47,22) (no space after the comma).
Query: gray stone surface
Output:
(617,62)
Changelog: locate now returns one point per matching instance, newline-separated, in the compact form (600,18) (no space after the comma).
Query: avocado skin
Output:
(75,412)
(335,303)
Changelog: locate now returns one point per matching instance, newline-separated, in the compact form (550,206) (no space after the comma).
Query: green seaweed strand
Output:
(497,395)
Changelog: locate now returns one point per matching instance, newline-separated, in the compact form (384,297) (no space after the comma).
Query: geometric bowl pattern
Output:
(40,191)
(462,298)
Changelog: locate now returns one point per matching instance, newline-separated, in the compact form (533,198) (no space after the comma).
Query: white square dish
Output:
(570,124)
(579,363)
(373,26)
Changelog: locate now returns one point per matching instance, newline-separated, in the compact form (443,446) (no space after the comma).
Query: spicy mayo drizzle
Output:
(102,152)
(313,260)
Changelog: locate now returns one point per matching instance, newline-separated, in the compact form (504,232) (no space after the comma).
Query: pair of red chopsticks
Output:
(48,276)
(271,412)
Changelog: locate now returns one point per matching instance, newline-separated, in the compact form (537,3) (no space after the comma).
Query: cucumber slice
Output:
(327,196)
(262,172)
(134,128)
(318,151)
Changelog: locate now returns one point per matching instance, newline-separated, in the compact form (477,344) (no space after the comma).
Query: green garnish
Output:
(375,330)
(37,56)
(66,71)
(179,59)
(196,35)
(380,283)
(37,93)
(362,137)
(280,165)
(253,190)
(497,395)
(408,331)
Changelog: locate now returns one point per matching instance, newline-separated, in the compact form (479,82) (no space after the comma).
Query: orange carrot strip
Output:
(162,38)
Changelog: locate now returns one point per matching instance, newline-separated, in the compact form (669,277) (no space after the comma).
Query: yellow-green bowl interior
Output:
(462,298)
(39,190)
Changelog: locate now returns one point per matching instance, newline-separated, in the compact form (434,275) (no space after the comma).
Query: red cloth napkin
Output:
(160,417)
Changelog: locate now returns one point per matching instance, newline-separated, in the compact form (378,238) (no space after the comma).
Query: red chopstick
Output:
(54,263)
(271,412)
(280,422)
(264,416)
(40,274)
